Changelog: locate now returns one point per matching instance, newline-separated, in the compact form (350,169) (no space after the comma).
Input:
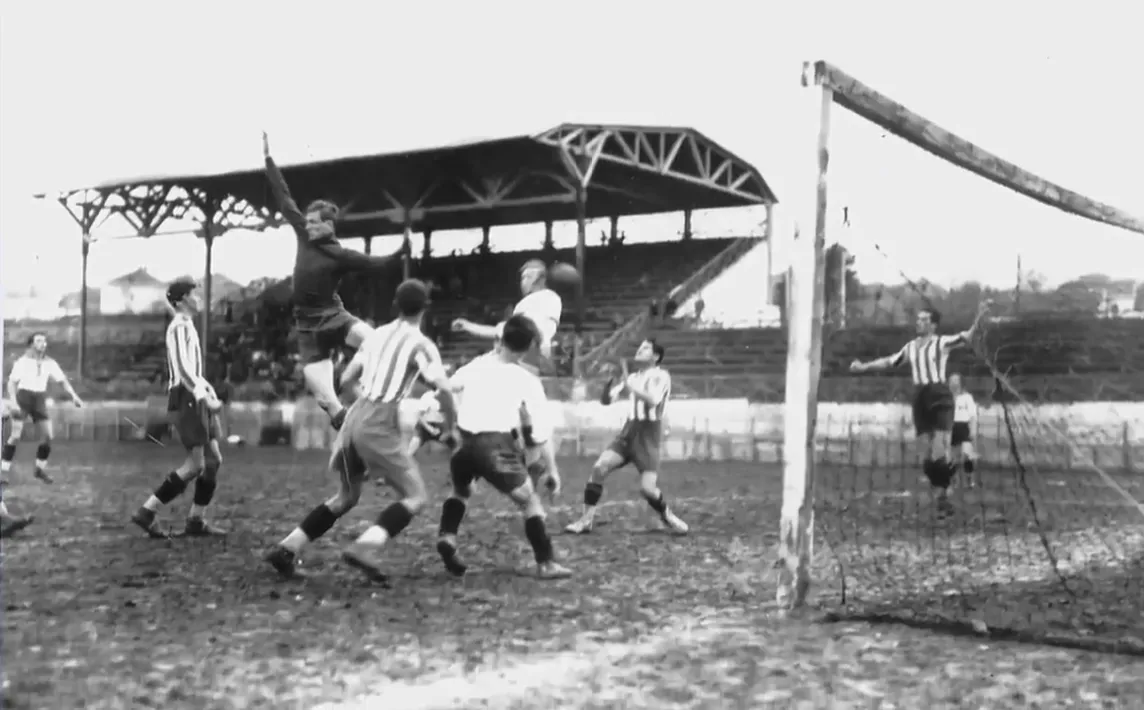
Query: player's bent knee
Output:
(649,484)
(414,504)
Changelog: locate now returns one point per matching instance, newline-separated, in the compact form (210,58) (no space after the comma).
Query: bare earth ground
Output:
(96,616)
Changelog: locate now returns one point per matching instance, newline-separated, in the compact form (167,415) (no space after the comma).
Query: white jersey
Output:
(32,374)
(964,408)
(491,393)
(543,308)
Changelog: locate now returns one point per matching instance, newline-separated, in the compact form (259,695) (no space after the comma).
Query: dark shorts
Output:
(33,405)
(195,424)
(321,333)
(960,434)
(638,444)
(370,441)
(427,433)
(495,457)
(933,409)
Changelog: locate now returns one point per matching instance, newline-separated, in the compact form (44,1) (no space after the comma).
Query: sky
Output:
(95,91)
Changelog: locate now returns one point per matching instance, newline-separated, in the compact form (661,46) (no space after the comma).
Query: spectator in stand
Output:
(700,305)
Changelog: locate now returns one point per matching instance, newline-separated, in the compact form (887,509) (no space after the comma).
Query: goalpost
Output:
(824,87)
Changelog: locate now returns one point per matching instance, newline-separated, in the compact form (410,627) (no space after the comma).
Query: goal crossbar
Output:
(826,85)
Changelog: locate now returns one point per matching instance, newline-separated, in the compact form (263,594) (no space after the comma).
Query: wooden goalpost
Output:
(824,86)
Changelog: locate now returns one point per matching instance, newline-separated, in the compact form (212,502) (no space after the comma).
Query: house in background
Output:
(70,304)
(136,293)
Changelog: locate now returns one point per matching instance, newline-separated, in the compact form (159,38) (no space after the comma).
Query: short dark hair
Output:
(658,349)
(178,291)
(33,336)
(519,334)
(411,298)
(934,315)
(327,210)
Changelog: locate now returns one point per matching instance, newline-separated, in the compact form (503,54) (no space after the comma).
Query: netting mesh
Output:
(1044,540)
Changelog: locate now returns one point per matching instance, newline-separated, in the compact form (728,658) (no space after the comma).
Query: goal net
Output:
(1040,534)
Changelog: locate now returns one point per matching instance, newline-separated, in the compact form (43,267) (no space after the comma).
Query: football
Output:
(564,276)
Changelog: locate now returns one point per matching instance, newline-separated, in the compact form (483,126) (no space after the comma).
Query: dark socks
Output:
(452,513)
(204,491)
(592,493)
(171,488)
(657,503)
(318,522)
(537,535)
(394,519)
(939,472)
(9,453)
(43,451)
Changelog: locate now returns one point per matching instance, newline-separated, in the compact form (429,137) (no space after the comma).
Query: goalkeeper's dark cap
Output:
(412,297)
(178,290)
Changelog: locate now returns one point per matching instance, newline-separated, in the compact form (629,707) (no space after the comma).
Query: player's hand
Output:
(525,417)
(213,402)
(265,145)
(857,366)
(624,370)
(550,484)
(77,402)
(984,306)
(460,325)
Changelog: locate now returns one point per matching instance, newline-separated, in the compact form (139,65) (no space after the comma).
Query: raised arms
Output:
(286,204)
(882,363)
(350,260)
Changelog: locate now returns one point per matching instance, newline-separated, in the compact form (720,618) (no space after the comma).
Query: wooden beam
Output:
(927,135)
(804,354)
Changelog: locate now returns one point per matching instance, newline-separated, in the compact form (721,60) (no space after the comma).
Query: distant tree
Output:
(1077,296)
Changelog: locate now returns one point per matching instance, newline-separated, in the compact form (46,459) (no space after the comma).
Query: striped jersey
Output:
(928,357)
(656,382)
(185,356)
(964,408)
(32,374)
(392,357)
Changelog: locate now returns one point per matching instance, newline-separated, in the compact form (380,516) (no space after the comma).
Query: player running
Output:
(964,431)
(640,440)
(542,307)
(371,441)
(322,322)
(28,390)
(928,356)
(494,394)
(192,407)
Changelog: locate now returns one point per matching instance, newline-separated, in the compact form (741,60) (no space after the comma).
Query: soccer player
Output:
(542,307)
(28,389)
(192,408)
(371,441)
(928,355)
(639,442)
(322,322)
(498,399)
(11,524)
(964,431)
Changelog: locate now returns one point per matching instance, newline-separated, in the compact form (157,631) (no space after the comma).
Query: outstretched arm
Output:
(966,336)
(882,363)
(286,204)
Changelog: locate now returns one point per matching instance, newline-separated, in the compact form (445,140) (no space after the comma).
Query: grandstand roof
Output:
(518,179)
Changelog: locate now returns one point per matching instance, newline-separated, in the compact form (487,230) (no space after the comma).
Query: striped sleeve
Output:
(181,352)
(428,360)
(949,342)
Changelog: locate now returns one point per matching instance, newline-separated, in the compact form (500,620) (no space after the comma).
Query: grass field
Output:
(97,616)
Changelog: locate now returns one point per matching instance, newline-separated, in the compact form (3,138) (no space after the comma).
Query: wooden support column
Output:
(804,356)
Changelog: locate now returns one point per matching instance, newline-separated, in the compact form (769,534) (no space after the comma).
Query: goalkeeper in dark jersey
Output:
(322,322)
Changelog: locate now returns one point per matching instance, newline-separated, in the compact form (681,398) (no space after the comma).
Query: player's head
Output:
(650,352)
(411,298)
(183,295)
(518,335)
(928,321)
(38,343)
(955,383)
(320,218)
(533,276)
